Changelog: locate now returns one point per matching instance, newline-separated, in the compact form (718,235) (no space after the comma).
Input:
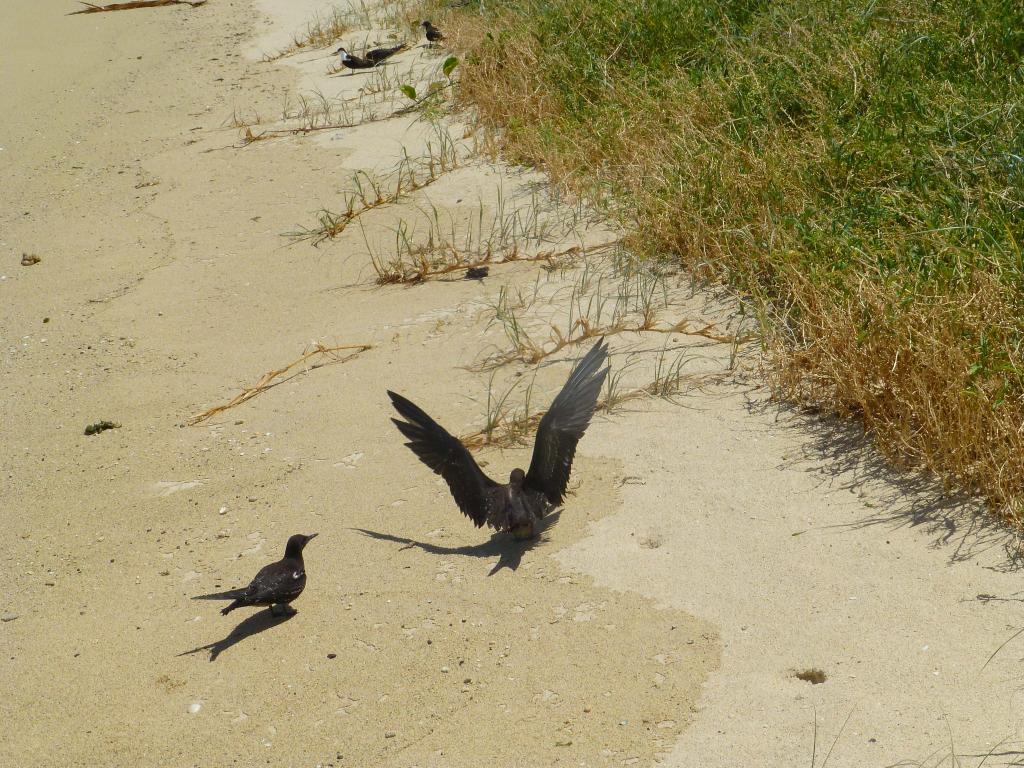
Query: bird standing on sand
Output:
(519,505)
(275,585)
(369,59)
(433,33)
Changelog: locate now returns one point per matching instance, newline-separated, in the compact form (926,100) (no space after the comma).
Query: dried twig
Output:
(91,8)
(583,330)
(398,272)
(267,380)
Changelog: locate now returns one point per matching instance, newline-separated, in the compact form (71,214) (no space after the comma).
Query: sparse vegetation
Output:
(854,170)
(506,425)
(320,32)
(605,298)
(373,191)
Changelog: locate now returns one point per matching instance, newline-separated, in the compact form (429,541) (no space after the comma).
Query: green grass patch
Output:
(855,170)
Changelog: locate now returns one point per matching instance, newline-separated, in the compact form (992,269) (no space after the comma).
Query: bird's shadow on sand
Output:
(258,622)
(504,546)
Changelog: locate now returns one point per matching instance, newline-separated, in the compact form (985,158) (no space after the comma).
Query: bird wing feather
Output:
(379,54)
(445,455)
(564,424)
(275,581)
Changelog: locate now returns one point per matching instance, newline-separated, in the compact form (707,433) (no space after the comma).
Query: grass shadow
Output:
(846,459)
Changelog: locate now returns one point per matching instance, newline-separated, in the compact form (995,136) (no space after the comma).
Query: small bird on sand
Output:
(519,505)
(378,55)
(433,33)
(369,59)
(275,585)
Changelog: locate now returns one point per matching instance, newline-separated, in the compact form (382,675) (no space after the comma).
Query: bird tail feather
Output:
(231,594)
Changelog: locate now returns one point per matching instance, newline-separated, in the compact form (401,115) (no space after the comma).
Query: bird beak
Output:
(311,536)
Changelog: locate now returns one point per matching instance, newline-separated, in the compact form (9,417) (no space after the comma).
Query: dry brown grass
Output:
(904,380)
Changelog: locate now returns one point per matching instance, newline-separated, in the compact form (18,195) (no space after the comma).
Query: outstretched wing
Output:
(449,458)
(564,424)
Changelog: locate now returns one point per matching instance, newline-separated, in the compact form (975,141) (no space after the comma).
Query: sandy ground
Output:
(712,547)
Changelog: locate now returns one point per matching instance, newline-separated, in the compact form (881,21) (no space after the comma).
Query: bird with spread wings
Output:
(521,503)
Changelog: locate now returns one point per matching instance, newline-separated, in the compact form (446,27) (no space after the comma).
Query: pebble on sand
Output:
(8,617)
(194,707)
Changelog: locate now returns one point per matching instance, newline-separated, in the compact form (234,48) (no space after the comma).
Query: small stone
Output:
(9,617)
(101,426)
(332,655)
(389,735)
(28,259)
(50,583)
(222,511)
(446,670)
(194,707)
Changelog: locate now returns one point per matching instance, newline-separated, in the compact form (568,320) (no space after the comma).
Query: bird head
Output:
(296,544)
(342,51)
(516,478)
(425,24)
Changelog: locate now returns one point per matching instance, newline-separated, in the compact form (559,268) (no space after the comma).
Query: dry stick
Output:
(91,8)
(267,381)
(274,133)
(536,354)
(423,273)
(342,220)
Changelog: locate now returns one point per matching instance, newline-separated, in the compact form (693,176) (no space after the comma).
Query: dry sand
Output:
(708,553)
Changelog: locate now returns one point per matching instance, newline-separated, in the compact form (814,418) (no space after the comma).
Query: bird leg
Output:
(523,532)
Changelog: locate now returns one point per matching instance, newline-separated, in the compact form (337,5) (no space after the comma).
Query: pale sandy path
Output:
(168,289)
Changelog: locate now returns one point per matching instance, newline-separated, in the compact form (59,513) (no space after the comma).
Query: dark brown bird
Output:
(519,505)
(369,59)
(377,55)
(275,585)
(433,33)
